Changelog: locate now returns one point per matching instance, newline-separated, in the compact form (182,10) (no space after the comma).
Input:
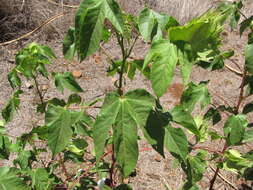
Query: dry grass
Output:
(18,17)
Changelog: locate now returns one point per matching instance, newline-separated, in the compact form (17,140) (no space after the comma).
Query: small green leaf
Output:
(24,159)
(152,24)
(74,99)
(14,79)
(46,51)
(185,119)
(66,80)
(249,58)
(69,48)
(245,24)
(214,115)
(196,168)
(12,106)
(59,122)
(248,136)
(163,56)
(248,108)
(193,94)
(234,129)
(9,179)
(41,179)
(176,142)
(123,187)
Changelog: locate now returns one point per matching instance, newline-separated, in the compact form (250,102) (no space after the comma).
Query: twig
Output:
(35,30)
(38,90)
(241,91)
(63,5)
(216,172)
(224,179)
(63,167)
(84,107)
(22,6)
(237,65)
(234,70)
(207,149)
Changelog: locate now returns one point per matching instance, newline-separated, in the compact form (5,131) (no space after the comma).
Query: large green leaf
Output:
(125,113)
(163,56)
(234,129)
(59,121)
(89,23)
(249,58)
(194,94)
(9,179)
(66,80)
(176,142)
(12,106)
(185,119)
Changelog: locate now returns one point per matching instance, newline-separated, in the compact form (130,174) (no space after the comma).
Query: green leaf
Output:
(249,58)
(152,24)
(89,23)
(248,108)
(196,168)
(234,129)
(213,114)
(12,106)
(46,51)
(163,56)
(245,24)
(185,60)
(154,130)
(123,187)
(66,80)
(24,159)
(14,79)
(41,179)
(5,147)
(125,114)
(69,48)
(248,136)
(176,142)
(9,179)
(74,99)
(194,94)
(59,122)
(185,119)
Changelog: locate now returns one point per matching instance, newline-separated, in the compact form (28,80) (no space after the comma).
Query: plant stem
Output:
(124,57)
(38,90)
(217,169)
(112,168)
(241,91)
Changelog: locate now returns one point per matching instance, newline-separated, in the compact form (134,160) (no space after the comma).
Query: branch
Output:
(46,22)
(234,70)
(224,179)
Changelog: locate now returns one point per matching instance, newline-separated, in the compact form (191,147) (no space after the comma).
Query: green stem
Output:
(124,57)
